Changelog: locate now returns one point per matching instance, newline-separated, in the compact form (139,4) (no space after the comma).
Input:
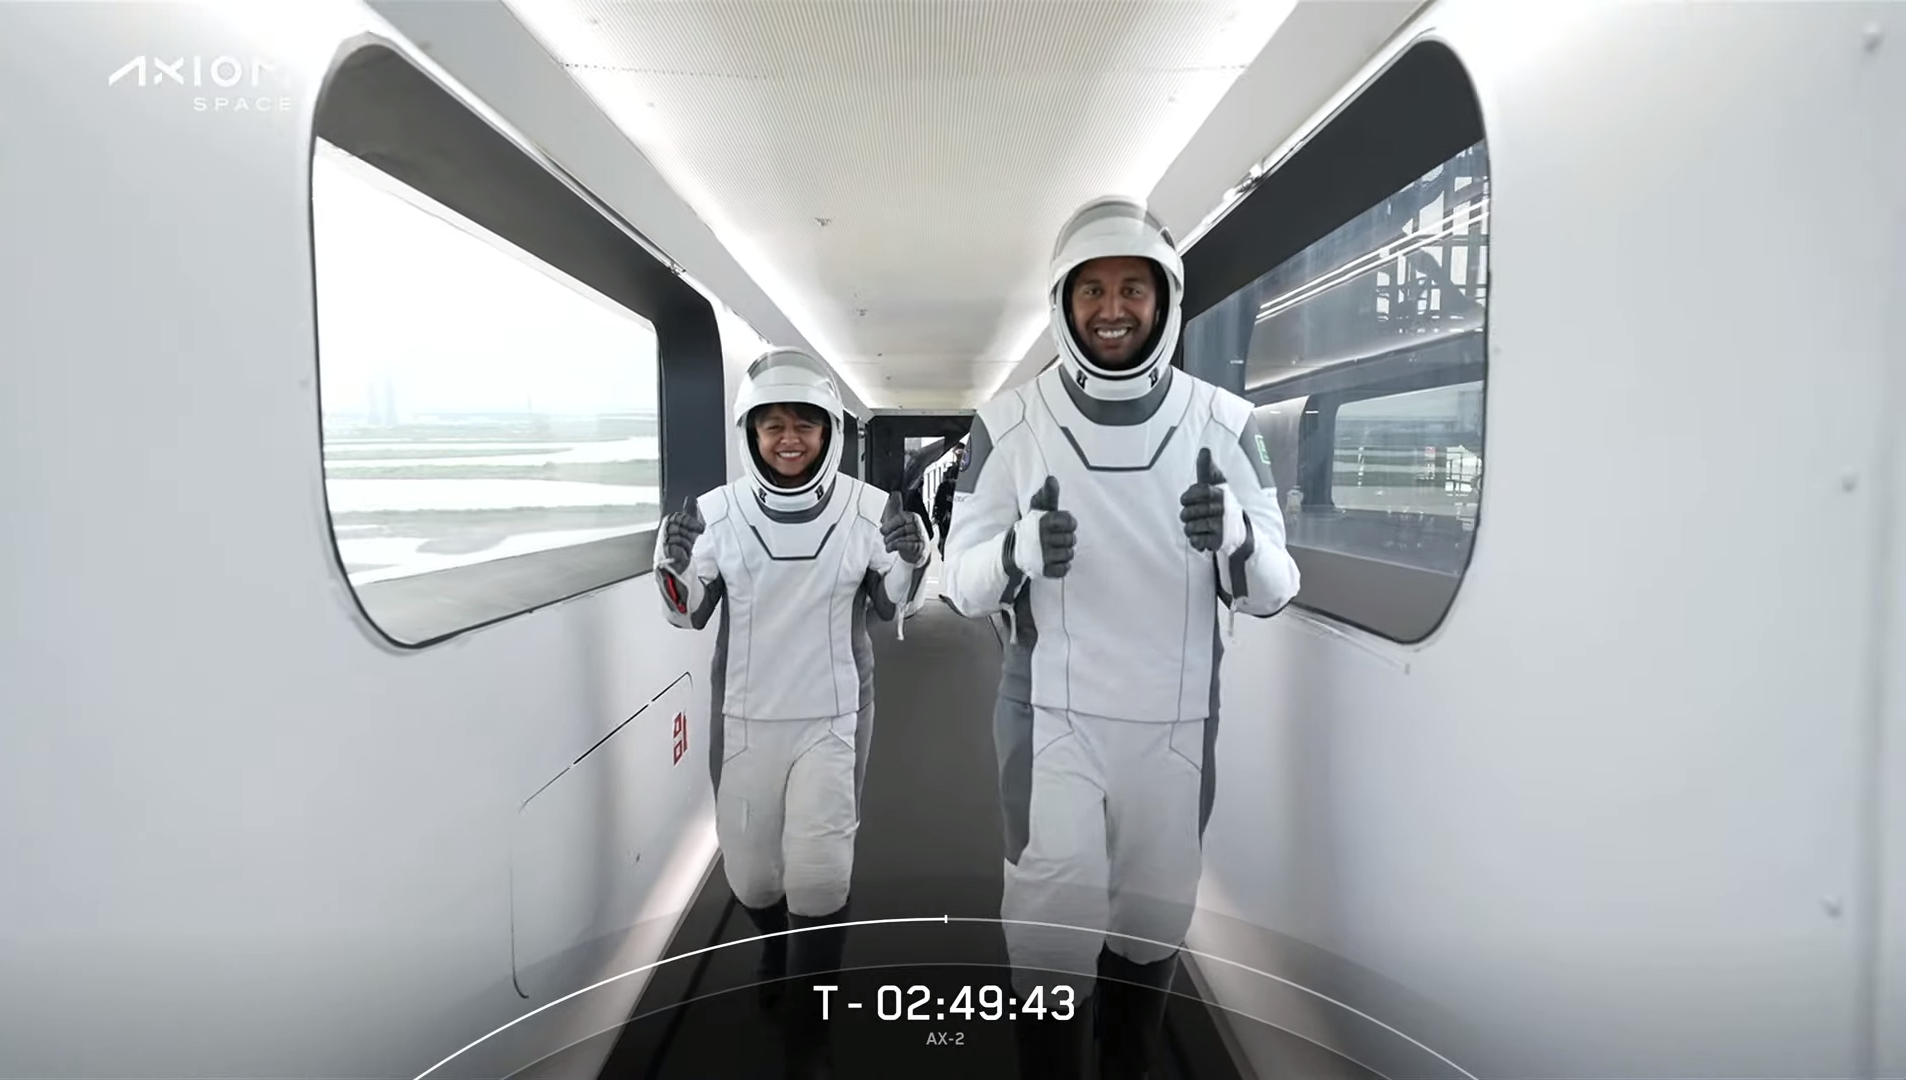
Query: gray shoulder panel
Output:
(992,422)
(1237,415)
(979,447)
(1255,448)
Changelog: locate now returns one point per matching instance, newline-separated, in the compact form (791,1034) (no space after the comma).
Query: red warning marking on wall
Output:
(681,737)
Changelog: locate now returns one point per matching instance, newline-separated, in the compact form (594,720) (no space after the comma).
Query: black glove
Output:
(903,532)
(679,532)
(1203,512)
(1048,531)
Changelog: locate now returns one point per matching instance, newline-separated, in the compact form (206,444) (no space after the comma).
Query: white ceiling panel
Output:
(893,171)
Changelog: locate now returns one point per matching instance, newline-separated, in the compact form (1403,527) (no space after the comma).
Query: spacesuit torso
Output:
(796,589)
(1132,631)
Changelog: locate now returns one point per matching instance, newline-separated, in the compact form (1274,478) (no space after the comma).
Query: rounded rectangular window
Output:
(1361,338)
(478,405)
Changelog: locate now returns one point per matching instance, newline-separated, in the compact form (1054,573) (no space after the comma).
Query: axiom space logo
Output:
(223,84)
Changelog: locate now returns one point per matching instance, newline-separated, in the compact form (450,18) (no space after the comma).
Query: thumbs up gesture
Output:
(1046,535)
(1207,506)
(903,532)
(679,532)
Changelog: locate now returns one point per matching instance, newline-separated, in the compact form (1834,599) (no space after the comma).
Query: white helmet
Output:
(1113,226)
(782,376)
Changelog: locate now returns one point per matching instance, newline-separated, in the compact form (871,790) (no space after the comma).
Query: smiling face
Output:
(788,437)
(1114,305)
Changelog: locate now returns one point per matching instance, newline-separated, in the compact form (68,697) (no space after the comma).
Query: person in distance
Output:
(943,500)
(1110,509)
(796,555)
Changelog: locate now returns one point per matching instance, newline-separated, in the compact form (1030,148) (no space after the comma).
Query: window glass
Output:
(1406,472)
(1415,452)
(1408,272)
(1364,353)
(477,403)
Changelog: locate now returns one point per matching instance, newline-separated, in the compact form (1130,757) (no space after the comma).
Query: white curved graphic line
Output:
(659,963)
(945,919)
(1223,960)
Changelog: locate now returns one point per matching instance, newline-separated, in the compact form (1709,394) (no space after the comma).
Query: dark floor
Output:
(929,845)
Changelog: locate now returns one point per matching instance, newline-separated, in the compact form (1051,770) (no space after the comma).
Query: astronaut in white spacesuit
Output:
(795,554)
(1113,508)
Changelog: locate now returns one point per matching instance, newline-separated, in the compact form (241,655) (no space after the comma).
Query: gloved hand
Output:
(679,532)
(1044,538)
(1213,519)
(903,532)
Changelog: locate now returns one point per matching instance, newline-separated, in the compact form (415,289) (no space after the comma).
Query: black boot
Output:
(1131,1014)
(813,955)
(1055,1049)
(773,966)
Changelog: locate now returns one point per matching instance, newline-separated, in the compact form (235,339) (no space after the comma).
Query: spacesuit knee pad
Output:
(814,898)
(820,866)
(1140,952)
(1147,930)
(1146,927)
(1052,953)
(819,873)
(754,890)
(1080,978)
(753,872)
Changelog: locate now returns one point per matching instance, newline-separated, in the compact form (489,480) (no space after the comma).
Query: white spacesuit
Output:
(1110,512)
(795,563)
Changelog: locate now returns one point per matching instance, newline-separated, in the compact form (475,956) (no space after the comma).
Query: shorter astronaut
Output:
(796,555)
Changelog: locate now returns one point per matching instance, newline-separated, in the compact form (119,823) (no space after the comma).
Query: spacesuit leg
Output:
(822,818)
(748,795)
(772,967)
(1054,807)
(863,744)
(1060,874)
(747,775)
(1156,807)
(822,821)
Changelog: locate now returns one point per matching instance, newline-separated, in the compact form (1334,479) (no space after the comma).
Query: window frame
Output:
(1419,111)
(378,106)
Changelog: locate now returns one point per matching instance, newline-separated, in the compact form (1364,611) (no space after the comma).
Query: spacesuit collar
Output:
(794,509)
(1116,412)
(1130,388)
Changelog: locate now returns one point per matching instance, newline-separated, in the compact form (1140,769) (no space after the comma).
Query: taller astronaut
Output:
(1112,509)
(796,555)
